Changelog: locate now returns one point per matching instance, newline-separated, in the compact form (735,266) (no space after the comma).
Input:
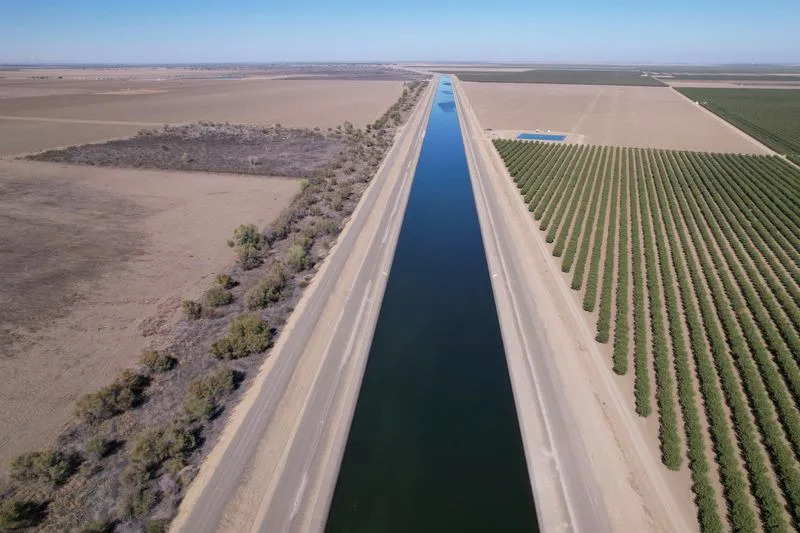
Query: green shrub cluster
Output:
(156,362)
(270,289)
(154,447)
(247,236)
(297,256)
(218,296)
(248,334)
(19,514)
(52,467)
(206,392)
(98,447)
(248,257)
(126,392)
(138,501)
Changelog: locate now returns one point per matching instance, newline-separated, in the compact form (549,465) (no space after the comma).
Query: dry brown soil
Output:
(40,114)
(94,263)
(647,117)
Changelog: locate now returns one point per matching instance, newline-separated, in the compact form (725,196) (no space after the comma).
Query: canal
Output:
(435,444)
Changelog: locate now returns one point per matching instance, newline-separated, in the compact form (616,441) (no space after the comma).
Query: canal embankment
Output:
(591,468)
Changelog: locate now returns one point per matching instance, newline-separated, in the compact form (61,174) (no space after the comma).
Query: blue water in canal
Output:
(435,444)
(541,137)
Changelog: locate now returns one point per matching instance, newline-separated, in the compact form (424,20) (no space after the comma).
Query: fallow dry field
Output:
(95,262)
(40,114)
(647,117)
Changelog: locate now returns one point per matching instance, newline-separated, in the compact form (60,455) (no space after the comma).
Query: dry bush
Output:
(248,334)
(217,296)
(156,362)
(225,281)
(247,235)
(248,257)
(138,501)
(192,309)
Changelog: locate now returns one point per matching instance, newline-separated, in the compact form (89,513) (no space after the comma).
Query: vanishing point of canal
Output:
(435,444)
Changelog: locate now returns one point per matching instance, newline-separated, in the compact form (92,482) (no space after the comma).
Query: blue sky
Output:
(166,31)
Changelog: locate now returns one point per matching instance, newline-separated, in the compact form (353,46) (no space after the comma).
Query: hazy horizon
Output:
(183,32)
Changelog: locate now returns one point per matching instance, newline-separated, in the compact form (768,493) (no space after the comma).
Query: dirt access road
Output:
(275,466)
(590,467)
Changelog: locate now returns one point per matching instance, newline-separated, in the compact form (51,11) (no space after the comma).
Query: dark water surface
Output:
(435,444)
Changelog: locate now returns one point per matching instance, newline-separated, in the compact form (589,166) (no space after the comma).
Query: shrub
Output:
(269,290)
(217,296)
(192,309)
(155,446)
(196,409)
(248,334)
(247,235)
(98,447)
(225,281)
(248,257)
(214,385)
(123,394)
(297,257)
(148,452)
(18,514)
(139,501)
(53,467)
(156,362)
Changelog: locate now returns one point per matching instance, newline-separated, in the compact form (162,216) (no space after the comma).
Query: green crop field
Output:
(736,77)
(577,76)
(692,261)
(770,115)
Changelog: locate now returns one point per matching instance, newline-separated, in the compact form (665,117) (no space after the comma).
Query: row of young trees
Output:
(700,253)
